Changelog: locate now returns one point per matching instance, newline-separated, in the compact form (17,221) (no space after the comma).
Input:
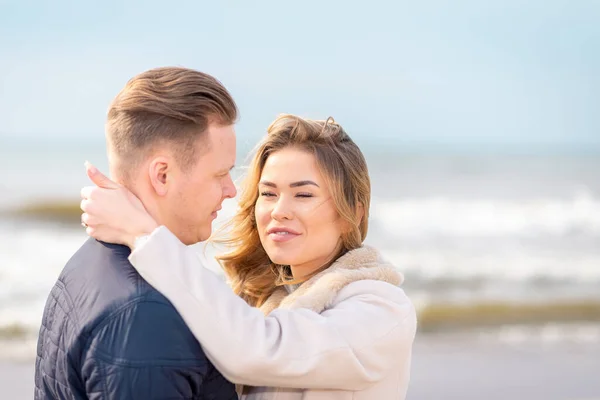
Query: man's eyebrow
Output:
(292,185)
(225,170)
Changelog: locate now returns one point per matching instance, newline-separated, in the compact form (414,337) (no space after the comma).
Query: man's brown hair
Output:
(170,106)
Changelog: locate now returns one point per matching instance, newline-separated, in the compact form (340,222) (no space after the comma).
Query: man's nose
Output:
(230,190)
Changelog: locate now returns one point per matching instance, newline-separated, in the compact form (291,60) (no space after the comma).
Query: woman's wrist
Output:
(147,229)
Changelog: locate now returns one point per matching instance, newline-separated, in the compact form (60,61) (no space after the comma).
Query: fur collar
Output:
(318,292)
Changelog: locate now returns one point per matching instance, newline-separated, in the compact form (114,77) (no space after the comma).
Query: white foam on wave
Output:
(31,258)
(32,255)
(514,266)
(485,243)
(513,241)
(493,217)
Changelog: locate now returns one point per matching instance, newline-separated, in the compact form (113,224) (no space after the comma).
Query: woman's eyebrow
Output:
(292,185)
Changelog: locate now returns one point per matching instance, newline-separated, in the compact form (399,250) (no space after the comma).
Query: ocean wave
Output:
(491,217)
(507,263)
(424,216)
(440,317)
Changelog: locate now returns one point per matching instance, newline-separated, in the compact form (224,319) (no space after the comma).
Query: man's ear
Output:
(159,173)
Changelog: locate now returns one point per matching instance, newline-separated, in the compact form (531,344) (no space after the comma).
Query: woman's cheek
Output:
(261,212)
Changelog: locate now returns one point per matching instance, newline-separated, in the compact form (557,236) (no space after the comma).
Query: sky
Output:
(393,73)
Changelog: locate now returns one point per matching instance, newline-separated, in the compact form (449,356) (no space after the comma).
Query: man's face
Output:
(195,195)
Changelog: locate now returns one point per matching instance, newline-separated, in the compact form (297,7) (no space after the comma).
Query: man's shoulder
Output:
(145,331)
(99,281)
(116,314)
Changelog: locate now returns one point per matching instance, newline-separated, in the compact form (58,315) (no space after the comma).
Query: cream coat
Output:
(345,334)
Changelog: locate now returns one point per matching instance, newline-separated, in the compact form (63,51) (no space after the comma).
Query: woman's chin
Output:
(279,258)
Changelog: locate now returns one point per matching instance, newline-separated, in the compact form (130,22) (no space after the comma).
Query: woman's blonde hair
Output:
(251,273)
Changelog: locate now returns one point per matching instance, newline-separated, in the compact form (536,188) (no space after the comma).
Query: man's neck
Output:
(148,200)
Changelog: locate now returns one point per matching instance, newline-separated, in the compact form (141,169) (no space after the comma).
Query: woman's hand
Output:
(112,213)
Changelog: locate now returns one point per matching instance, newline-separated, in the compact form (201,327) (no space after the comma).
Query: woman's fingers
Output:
(101,195)
(99,178)
(94,204)
(98,230)
(86,192)
(88,220)
(110,212)
(104,233)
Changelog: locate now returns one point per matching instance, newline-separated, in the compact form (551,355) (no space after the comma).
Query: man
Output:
(106,333)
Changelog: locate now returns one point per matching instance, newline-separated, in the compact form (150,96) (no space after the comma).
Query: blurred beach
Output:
(478,120)
(500,255)
(458,367)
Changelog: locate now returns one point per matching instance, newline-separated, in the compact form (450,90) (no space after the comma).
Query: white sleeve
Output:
(347,347)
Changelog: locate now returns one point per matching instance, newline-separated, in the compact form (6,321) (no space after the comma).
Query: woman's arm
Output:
(349,346)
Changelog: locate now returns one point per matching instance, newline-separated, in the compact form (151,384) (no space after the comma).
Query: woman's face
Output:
(296,218)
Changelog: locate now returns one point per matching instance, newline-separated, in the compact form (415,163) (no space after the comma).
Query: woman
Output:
(317,314)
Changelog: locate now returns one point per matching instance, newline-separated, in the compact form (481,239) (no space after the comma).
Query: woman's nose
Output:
(281,210)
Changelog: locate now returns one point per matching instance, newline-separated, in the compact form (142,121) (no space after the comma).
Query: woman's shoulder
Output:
(367,270)
(374,280)
(383,308)
(373,289)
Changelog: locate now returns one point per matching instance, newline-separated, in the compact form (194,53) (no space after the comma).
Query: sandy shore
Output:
(16,380)
(456,368)
(466,369)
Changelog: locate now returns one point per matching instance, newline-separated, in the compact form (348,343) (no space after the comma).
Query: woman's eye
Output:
(304,195)
(267,194)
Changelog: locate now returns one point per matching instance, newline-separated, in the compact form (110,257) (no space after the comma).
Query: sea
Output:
(506,244)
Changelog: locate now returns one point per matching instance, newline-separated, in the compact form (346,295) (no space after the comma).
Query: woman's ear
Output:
(360,212)
(159,170)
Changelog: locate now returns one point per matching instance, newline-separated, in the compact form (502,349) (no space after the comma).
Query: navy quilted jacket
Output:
(107,334)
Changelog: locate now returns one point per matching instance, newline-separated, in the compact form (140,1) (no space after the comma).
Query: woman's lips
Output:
(282,234)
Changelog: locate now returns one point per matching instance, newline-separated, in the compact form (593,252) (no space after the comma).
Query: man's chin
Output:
(203,236)
(195,239)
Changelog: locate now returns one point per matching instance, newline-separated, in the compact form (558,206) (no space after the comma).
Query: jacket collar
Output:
(319,292)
